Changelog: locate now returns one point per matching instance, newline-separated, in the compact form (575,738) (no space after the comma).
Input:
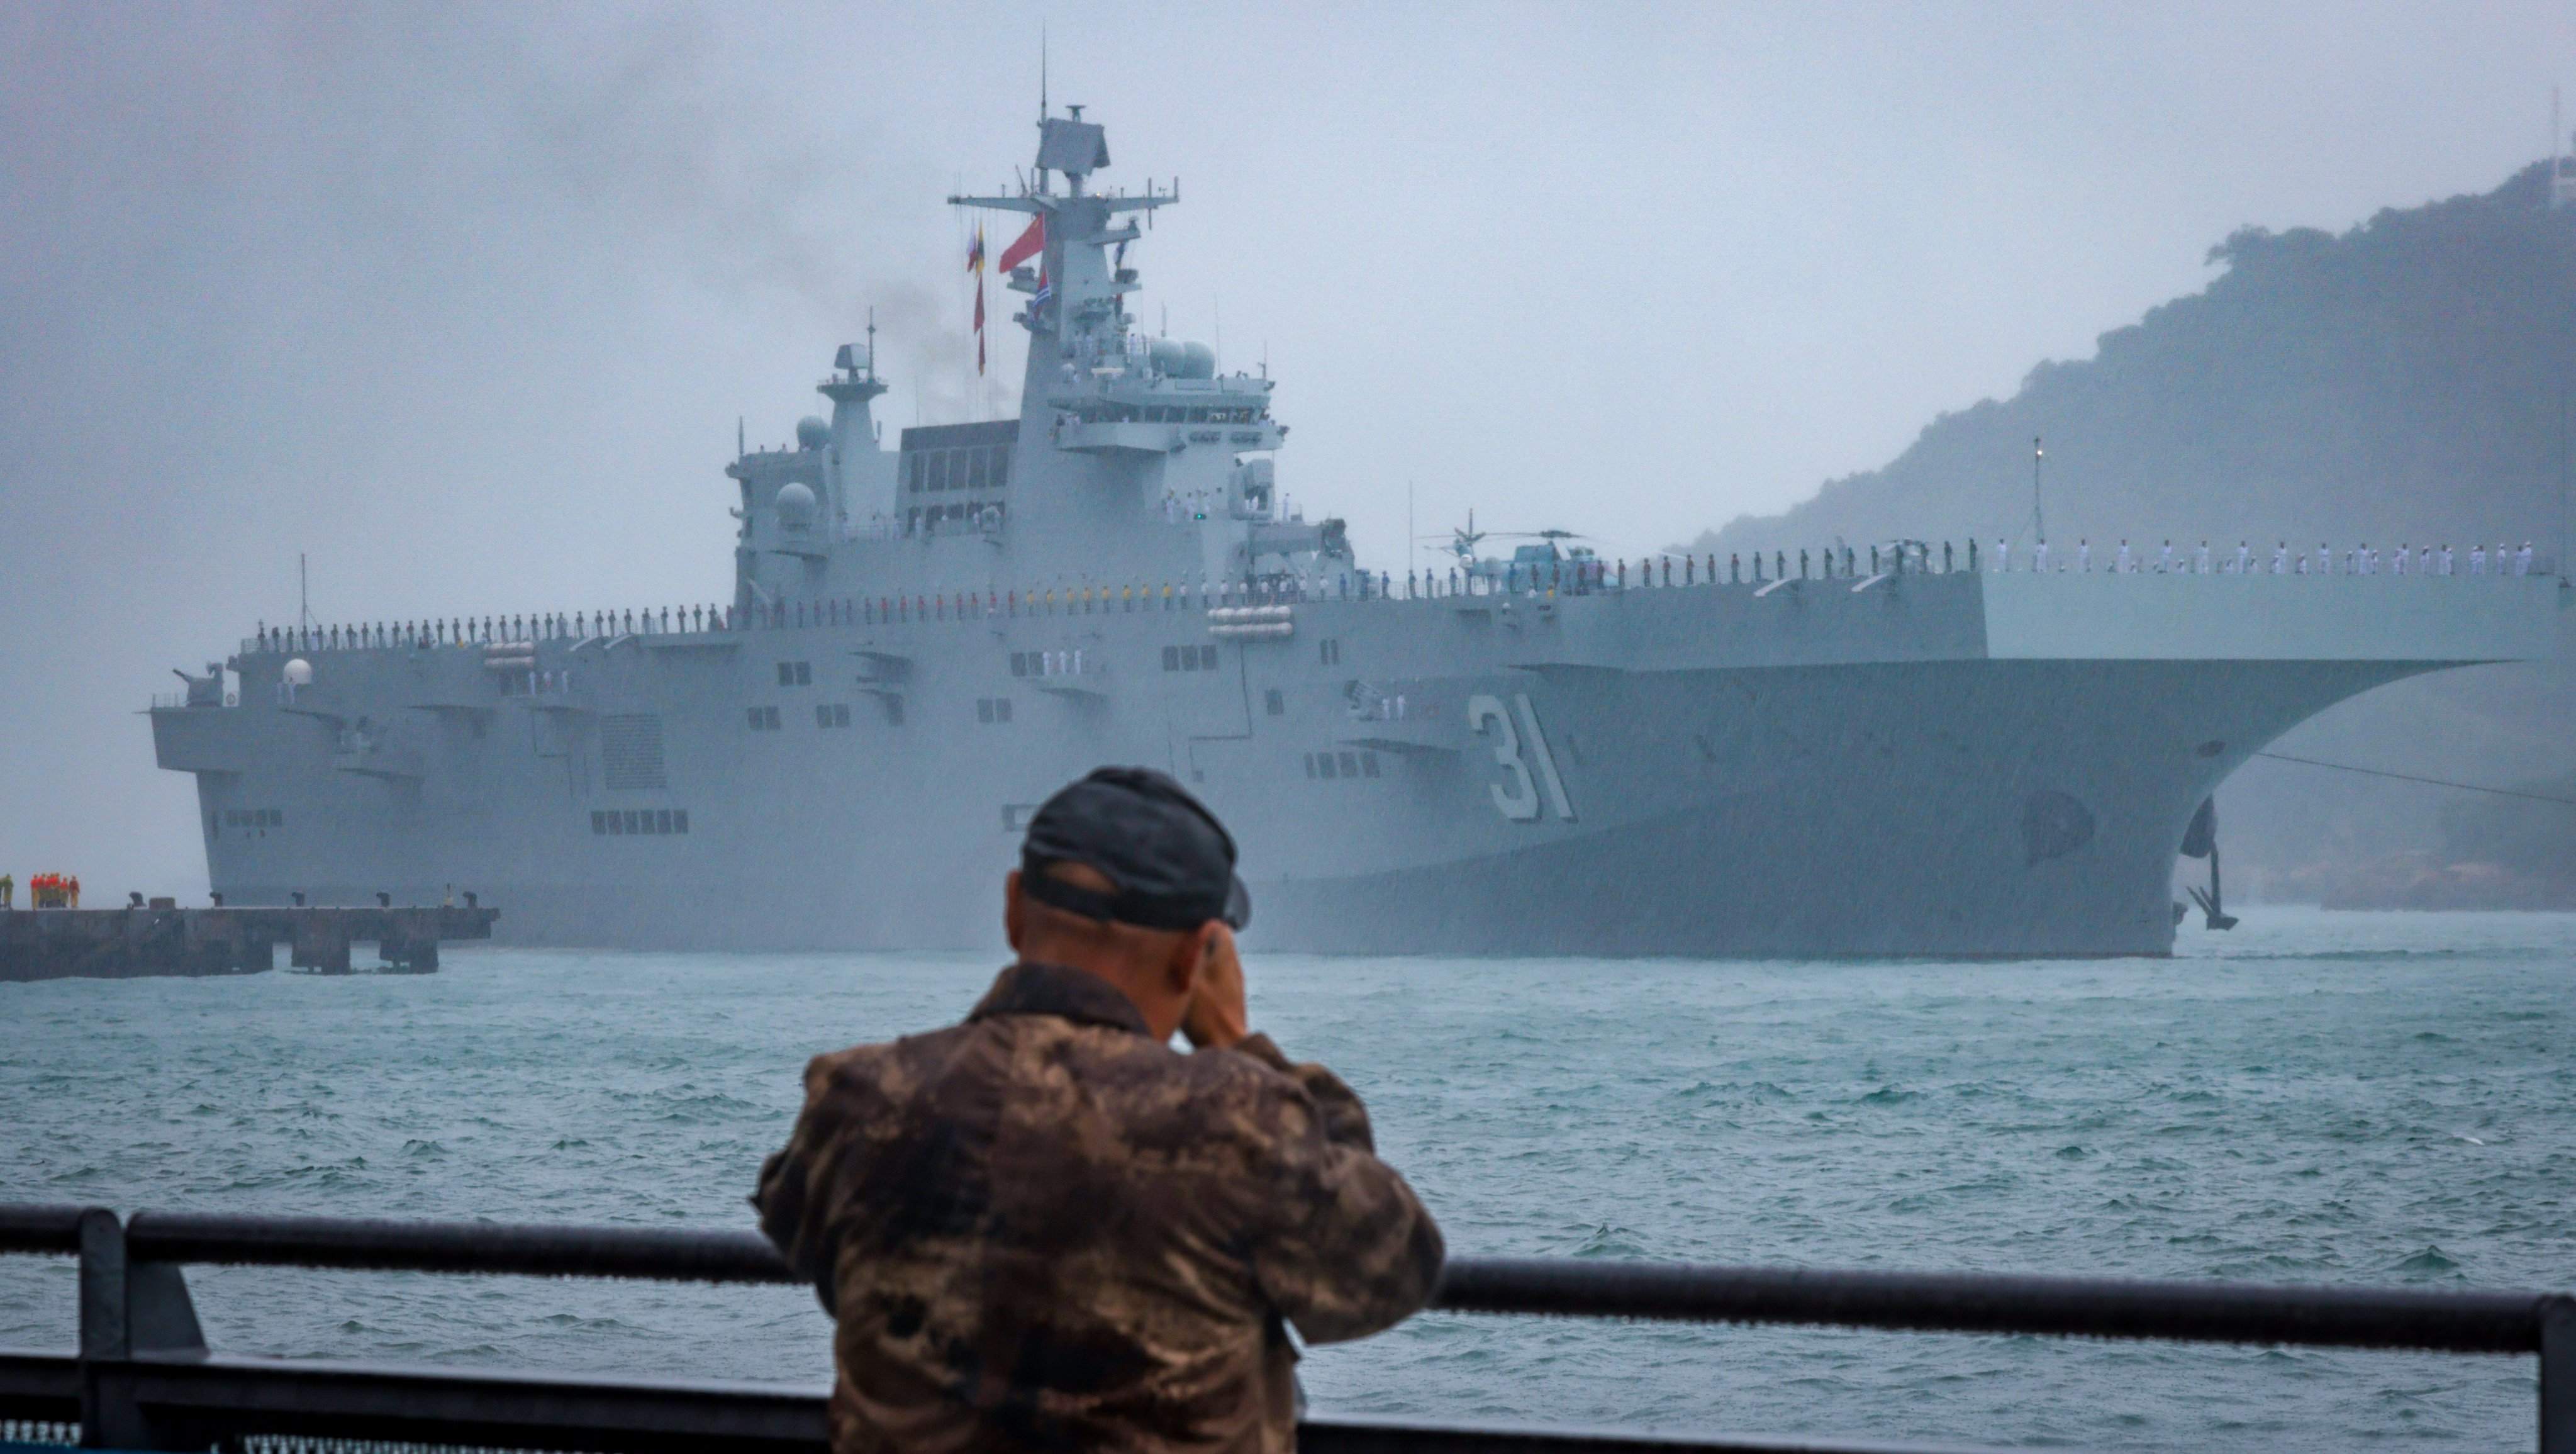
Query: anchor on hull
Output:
(2200,840)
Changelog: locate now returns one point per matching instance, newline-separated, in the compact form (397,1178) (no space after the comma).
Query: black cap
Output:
(1172,861)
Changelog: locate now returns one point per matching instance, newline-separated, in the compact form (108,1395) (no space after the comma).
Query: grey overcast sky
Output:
(464,301)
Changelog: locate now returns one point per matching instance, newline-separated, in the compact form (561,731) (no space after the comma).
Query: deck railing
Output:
(144,1379)
(1572,576)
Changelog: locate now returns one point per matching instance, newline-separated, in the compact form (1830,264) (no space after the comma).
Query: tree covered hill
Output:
(2403,381)
(2408,380)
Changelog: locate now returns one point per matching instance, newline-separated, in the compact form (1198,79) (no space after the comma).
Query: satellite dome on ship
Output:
(795,501)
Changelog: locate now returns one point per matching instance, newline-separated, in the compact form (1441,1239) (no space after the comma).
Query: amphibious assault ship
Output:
(1912,753)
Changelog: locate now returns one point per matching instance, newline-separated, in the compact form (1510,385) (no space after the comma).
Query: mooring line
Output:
(2406,777)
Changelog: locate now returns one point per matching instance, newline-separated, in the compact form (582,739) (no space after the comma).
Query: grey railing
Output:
(144,1379)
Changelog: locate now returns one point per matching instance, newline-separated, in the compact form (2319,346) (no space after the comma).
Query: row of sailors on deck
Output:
(2361,560)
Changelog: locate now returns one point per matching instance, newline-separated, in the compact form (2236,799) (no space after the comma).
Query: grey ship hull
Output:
(1923,763)
(1954,765)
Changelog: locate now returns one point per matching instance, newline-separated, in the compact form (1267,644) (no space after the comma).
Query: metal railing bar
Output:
(2446,1321)
(1351,1434)
(2217,1312)
(27,1227)
(260,1392)
(195,1403)
(661,1254)
(228,1397)
(29,1379)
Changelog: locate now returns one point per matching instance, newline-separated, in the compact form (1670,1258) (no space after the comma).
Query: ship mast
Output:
(1076,293)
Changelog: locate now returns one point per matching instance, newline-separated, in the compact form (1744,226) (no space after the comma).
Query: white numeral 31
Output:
(1520,804)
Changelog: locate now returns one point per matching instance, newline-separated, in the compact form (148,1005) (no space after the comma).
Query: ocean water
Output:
(2345,1098)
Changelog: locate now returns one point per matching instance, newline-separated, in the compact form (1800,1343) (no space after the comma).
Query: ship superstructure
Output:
(1907,753)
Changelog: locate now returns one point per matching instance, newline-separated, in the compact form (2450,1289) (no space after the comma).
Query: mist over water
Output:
(2355,1098)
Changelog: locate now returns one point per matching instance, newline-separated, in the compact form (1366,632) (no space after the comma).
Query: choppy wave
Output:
(2340,1098)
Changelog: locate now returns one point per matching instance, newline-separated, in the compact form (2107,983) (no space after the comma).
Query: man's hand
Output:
(1216,1017)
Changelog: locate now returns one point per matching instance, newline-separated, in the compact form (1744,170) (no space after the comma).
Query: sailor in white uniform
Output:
(2522,560)
(2200,562)
(2003,555)
(2165,561)
(2477,558)
(2397,562)
(2084,554)
(2281,559)
(2039,556)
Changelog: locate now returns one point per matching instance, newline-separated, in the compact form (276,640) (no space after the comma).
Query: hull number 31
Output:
(1529,768)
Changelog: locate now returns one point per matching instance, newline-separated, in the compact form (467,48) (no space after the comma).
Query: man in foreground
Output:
(1046,1229)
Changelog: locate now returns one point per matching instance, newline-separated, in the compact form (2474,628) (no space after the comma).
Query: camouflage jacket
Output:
(1043,1229)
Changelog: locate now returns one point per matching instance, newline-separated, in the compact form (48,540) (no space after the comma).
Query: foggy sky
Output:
(465,302)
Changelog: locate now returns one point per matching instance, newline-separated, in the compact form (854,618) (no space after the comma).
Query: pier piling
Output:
(127,943)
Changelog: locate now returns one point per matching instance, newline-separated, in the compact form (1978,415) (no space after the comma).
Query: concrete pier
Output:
(160,939)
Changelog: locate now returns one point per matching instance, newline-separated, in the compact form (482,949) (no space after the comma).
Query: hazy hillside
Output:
(2405,381)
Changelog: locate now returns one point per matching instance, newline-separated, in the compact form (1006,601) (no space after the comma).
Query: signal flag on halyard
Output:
(975,265)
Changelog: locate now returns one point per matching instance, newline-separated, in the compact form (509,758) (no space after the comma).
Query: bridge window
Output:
(641,822)
(796,673)
(992,710)
(976,467)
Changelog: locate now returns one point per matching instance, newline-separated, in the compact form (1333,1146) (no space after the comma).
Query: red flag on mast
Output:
(1031,243)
